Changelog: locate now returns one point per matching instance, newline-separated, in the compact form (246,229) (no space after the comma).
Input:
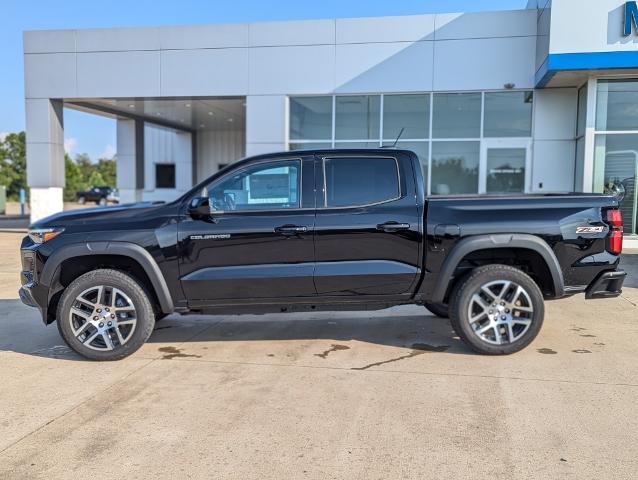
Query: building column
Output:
(590,137)
(266,124)
(130,160)
(45,156)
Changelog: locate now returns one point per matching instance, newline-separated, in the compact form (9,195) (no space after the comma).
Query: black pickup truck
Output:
(320,230)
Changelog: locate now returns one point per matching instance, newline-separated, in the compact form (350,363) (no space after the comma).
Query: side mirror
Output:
(199,208)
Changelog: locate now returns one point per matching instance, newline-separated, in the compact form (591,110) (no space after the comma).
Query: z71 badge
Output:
(221,236)
(590,229)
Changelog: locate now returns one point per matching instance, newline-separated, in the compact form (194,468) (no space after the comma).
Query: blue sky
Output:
(95,135)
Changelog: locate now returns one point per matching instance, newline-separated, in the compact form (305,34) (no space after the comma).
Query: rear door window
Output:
(358,181)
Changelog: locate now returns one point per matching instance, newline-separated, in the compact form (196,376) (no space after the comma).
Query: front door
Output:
(504,166)
(258,242)
(367,228)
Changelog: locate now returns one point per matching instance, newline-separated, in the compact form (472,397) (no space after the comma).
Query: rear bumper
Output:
(606,285)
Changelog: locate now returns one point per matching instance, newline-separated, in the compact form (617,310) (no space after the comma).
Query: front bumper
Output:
(606,285)
(27,297)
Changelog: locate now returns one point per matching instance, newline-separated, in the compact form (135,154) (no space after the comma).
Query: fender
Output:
(488,242)
(125,249)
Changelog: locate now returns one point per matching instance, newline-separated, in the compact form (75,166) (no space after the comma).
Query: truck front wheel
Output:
(497,310)
(105,315)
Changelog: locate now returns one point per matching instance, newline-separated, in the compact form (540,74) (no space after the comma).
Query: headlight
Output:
(41,235)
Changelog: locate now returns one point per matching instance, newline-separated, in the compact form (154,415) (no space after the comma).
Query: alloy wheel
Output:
(103,318)
(500,312)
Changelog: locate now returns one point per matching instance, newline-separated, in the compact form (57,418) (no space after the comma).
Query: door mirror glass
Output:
(199,208)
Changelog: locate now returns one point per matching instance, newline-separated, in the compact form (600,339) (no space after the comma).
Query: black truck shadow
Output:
(22,331)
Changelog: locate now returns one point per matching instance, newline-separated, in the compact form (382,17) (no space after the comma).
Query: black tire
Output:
(139,298)
(439,309)
(524,326)
(82,200)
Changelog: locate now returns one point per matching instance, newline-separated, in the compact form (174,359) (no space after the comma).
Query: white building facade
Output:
(540,100)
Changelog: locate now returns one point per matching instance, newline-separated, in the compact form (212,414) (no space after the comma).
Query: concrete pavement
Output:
(389,394)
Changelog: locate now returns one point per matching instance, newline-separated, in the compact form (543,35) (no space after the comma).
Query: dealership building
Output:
(540,100)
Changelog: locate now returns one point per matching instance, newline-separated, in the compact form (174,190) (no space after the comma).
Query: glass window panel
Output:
(508,114)
(580,165)
(457,115)
(358,117)
(455,167)
(164,175)
(408,112)
(422,151)
(615,168)
(506,170)
(311,118)
(377,180)
(269,186)
(582,111)
(357,145)
(310,146)
(617,105)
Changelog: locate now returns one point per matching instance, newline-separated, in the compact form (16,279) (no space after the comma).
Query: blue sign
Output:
(631,17)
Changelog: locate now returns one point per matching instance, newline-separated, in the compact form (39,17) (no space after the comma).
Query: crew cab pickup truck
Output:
(320,230)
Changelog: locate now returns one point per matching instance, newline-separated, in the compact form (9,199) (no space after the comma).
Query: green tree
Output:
(75,182)
(106,168)
(13,164)
(96,179)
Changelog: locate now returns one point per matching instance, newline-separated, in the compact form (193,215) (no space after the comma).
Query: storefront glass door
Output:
(504,167)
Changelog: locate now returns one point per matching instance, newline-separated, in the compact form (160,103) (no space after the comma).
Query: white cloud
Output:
(70,144)
(109,152)
(3,135)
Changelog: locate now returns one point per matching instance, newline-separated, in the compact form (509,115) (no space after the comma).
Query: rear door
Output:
(367,239)
(258,242)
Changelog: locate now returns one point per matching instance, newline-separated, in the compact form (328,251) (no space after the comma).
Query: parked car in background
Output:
(99,195)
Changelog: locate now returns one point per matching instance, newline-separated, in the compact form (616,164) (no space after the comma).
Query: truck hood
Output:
(86,215)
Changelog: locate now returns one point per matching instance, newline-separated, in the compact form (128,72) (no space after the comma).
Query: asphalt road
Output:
(382,395)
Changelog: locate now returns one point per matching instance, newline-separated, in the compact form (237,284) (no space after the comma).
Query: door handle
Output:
(289,230)
(392,227)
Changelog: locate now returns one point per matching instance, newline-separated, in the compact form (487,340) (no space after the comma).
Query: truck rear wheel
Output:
(105,315)
(497,310)
(438,309)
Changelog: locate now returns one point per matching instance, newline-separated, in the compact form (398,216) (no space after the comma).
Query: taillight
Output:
(614,244)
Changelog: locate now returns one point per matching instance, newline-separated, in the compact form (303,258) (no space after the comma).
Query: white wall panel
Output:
(266,118)
(119,74)
(45,165)
(203,36)
(555,114)
(262,148)
(215,147)
(309,32)
(513,23)
(484,63)
(44,121)
(291,70)
(589,26)
(163,145)
(385,29)
(205,72)
(50,75)
(553,166)
(49,41)
(384,67)
(117,39)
